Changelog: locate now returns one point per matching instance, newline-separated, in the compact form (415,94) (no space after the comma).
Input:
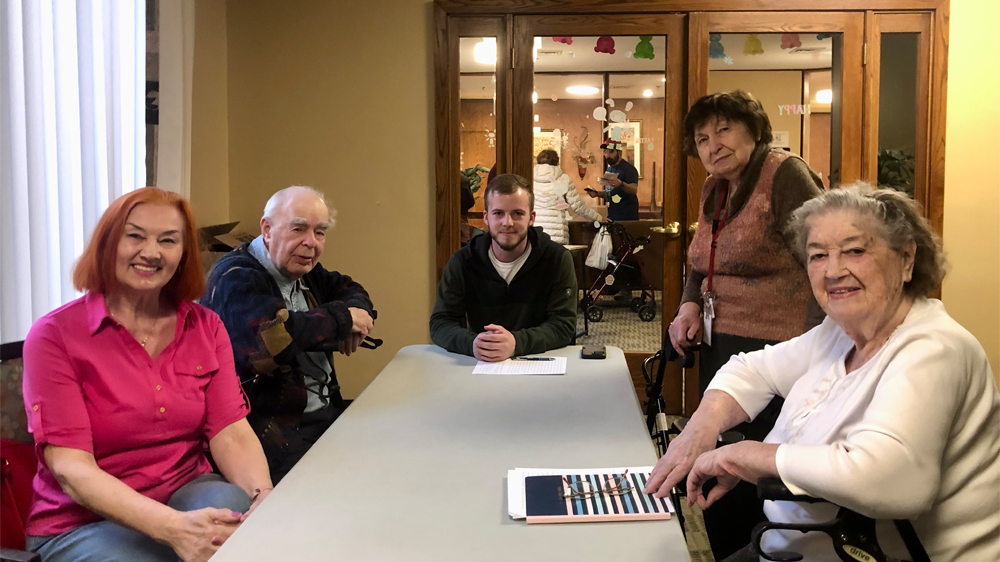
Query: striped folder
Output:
(546,499)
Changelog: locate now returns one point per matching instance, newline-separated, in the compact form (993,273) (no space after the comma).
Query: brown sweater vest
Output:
(762,290)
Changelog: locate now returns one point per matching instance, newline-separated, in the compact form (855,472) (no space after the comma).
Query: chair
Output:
(17,458)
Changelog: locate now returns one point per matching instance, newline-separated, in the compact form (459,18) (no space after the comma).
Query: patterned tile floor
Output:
(621,327)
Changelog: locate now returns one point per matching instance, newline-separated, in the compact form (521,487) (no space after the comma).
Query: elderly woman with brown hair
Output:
(890,409)
(126,389)
(744,288)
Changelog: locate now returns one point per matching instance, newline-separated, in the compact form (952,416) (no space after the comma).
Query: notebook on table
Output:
(590,496)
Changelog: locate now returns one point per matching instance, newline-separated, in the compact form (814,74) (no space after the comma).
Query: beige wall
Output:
(306,105)
(772,88)
(209,126)
(339,96)
(971,291)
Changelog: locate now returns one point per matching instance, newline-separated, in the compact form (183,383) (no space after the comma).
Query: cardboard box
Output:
(218,240)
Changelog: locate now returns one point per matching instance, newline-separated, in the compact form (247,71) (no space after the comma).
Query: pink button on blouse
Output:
(89,385)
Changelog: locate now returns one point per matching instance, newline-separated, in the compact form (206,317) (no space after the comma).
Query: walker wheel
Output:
(647,312)
(595,313)
(636,304)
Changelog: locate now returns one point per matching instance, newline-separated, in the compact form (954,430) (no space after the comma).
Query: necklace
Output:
(152,329)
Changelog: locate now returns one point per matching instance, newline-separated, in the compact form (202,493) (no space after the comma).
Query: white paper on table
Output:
(515,483)
(557,366)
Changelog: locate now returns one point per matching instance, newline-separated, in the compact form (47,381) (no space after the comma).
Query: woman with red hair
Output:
(125,389)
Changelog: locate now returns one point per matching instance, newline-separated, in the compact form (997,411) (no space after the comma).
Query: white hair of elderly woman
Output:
(898,220)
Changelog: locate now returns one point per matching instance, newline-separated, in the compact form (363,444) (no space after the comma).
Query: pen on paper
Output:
(533,359)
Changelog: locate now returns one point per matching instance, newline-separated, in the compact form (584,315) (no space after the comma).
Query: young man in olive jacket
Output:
(512,292)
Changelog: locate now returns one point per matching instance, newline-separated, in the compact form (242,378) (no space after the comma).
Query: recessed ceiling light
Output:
(824,96)
(485,52)
(582,90)
(534,97)
(663,79)
(647,93)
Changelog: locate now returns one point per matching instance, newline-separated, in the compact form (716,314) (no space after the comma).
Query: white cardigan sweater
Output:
(913,434)
(550,186)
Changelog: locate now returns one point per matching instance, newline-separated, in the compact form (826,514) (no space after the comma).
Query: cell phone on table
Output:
(593,352)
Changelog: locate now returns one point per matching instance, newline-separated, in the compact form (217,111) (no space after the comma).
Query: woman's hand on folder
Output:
(683,451)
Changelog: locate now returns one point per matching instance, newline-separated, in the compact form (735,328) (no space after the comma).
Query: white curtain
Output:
(72,139)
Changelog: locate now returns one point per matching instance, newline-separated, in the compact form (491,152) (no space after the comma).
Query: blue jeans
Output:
(107,541)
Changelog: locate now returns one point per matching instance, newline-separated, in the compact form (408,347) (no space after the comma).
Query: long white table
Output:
(416,468)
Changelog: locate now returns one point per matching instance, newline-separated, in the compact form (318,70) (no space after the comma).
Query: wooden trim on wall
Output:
(938,109)
(446,135)
(651,6)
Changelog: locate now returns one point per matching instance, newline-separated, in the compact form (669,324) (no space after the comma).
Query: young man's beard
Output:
(614,160)
(513,246)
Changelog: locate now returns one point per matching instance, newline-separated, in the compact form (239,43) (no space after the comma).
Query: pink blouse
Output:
(89,385)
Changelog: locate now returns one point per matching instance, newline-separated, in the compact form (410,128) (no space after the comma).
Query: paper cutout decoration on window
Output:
(610,102)
(649,146)
(790,40)
(822,36)
(753,45)
(491,136)
(644,50)
(605,44)
(600,113)
(566,40)
(728,60)
(628,106)
(715,48)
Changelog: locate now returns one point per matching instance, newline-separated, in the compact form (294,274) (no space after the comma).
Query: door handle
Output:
(672,230)
(692,228)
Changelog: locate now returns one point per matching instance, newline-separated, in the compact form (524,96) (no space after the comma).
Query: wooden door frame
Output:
(526,28)
(928,177)
(449,13)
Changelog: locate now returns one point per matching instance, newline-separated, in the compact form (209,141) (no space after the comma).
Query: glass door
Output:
(583,81)
(898,99)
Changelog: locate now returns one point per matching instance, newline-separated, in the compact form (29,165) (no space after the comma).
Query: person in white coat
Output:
(554,195)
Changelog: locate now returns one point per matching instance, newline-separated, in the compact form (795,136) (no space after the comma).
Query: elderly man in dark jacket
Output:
(285,315)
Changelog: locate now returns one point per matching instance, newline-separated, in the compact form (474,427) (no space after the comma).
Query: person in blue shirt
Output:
(621,198)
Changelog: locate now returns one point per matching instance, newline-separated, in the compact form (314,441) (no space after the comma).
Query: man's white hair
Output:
(281,197)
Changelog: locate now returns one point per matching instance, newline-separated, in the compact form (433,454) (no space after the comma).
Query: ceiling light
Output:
(648,93)
(582,90)
(663,79)
(534,97)
(485,52)
(824,96)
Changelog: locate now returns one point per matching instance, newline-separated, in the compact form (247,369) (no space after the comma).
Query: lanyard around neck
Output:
(717,226)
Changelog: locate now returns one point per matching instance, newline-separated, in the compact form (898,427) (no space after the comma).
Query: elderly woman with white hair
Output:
(890,410)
